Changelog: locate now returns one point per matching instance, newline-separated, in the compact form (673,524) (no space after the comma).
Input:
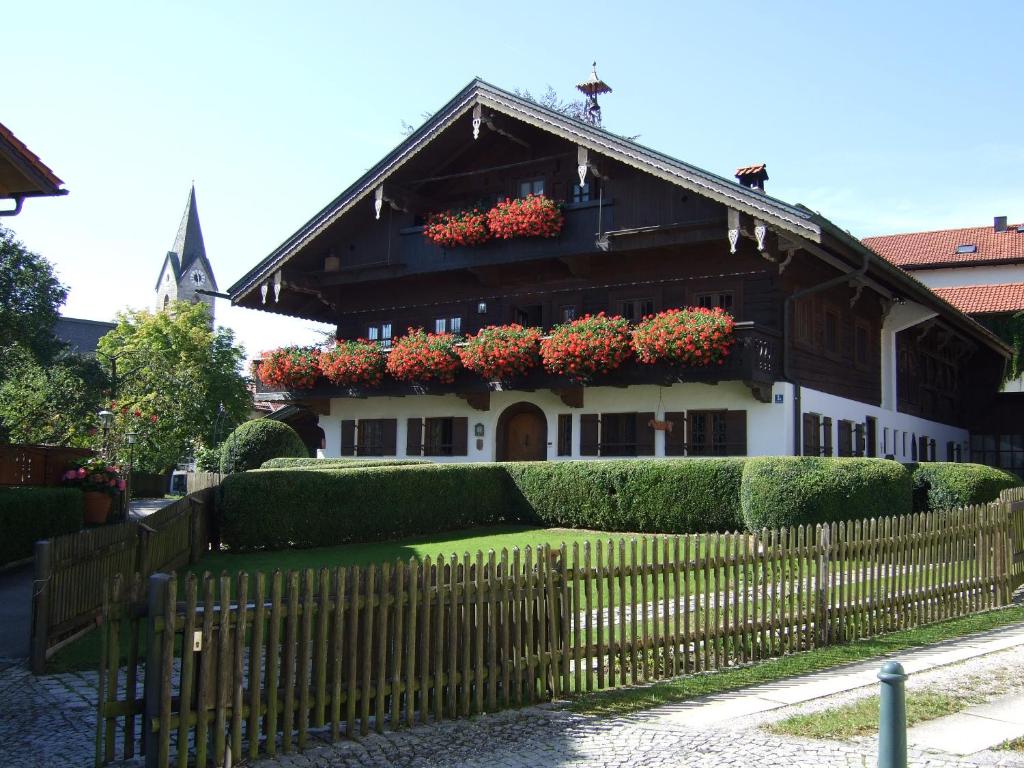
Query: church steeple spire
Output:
(186,274)
(189,242)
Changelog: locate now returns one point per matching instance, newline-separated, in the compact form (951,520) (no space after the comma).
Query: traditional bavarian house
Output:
(836,351)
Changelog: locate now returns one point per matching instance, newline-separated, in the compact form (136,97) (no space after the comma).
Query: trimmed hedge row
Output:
(336,463)
(276,508)
(642,495)
(30,514)
(941,484)
(780,491)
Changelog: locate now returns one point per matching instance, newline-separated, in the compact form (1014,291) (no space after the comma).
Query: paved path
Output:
(141,508)
(15,612)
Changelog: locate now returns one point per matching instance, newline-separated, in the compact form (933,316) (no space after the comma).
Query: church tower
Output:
(186,271)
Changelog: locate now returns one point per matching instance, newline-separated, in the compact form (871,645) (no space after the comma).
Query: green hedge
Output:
(276,508)
(643,495)
(337,463)
(30,514)
(780,491)
(257,441)
(942,484)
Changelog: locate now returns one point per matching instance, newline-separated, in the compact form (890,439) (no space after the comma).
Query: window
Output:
(380,333)
(567,313)
(812,434)
(369,437)
(531,187)
(446,436)
(721,299)
(581,194)
(530,316)
(440,325)
(455,325)
(636,309)
(826,436)
(717,433)
(967,248)
(565,434)
(844,438)
(831,331)
(616,434)
(804,321)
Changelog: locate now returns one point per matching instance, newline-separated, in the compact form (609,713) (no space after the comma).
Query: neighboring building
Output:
(82,336)
(838,352)
(186,274)
(23,174)
(980,271)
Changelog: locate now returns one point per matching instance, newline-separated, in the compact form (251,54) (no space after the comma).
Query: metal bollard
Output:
(892,725)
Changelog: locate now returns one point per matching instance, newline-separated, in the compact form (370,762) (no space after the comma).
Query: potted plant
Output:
(353,363)
(100,482)
(587,346)
(530,216)
(452,229)
(693,336)
(500,352)
(421,356)
(289,367)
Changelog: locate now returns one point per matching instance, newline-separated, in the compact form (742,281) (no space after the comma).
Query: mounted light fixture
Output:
(106,419)
(131,438)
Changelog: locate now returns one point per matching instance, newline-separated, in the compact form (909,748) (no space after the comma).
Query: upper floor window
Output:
(531,187)
(581,193)
(636,309)
(380,333)
(722,299)
(448,325)
(567,313)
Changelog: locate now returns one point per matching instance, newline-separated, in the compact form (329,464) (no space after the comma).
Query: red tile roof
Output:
(985,299)
(921,250)
(12,153)
(750,170)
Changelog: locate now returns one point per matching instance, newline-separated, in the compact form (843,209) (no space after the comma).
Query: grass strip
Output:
(860,718)
(622,701)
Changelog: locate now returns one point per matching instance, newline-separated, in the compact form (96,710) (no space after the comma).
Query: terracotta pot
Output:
(97,507)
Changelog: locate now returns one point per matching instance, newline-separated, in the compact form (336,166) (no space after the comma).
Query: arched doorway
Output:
(522,433)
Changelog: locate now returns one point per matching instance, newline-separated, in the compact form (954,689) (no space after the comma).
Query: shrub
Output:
(500,352)
(643,495)
(256,441)
(277,508)
(30,514)
(353,363)
(337,463)
(780,491)
(587,346)
(289,367)
(421,356)
(695,336)
(942,485)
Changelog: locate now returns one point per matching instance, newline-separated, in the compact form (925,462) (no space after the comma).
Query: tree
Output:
(171,376)
(30,301)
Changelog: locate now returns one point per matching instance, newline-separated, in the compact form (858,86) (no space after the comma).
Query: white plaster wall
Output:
(769,430)
(897,424)
(954,277)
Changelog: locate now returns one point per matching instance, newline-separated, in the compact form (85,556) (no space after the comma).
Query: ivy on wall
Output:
(1009,328)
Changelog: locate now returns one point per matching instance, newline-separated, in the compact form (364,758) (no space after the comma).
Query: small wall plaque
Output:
(779,398)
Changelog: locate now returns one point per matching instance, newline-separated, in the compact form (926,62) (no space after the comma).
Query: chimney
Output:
(753,176)
(999,224)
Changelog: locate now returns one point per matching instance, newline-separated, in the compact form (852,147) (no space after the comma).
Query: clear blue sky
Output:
(884,116)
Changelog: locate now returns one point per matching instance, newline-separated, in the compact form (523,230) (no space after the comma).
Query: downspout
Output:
(786,342)
(18,202)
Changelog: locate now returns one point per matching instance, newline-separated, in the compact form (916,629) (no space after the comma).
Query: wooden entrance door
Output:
(522,434)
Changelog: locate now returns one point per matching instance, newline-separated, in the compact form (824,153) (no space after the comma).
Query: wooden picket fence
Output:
(266,659)
(1015,499)
(72,571)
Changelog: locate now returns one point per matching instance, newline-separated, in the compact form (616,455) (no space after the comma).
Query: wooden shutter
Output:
(675,441)
(826,436)
(736,433)
(414,438)
(348,437)
(565,434)
(861,442)
(389,438)
(460,436)
(811,428)
(644,434)
(589,428)
(845,437)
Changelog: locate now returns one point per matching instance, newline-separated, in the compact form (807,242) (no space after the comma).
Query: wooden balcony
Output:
(756,360)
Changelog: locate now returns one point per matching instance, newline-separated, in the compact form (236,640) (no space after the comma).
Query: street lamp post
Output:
(131,437)
(106,419)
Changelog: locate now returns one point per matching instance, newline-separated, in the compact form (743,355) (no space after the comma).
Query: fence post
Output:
(41,573)
(892,725)
(195,534)
(822,583)
(156,604)
(143,560)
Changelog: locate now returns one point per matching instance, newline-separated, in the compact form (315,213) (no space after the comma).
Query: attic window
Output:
(1020,228)
(967,249)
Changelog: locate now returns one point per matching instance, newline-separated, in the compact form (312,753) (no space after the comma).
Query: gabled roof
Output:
(985,299)
(22,173)
(80,334)
(931,250)
(604,143)
(189,248)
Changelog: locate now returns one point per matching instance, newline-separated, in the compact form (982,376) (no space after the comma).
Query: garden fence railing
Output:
(255,663)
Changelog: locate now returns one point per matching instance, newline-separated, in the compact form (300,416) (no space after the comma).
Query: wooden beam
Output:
(319,405)
(480,401)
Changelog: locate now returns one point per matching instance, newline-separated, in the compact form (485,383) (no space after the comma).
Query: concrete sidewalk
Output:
(721,708)
(977,728)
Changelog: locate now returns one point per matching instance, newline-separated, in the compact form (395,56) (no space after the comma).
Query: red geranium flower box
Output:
(693,336)
(354,363)
(500,352)
(289,367)
(452,229)
(421,356)
(590,345)
(530,216)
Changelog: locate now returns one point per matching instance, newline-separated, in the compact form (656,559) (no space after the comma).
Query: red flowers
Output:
(456,228)
(289,367)
(353,363)
(530,216)
(691,336)
(421,356)
(587,346)
(500,352)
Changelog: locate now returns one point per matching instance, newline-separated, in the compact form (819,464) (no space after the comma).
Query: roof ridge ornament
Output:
(593,87)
